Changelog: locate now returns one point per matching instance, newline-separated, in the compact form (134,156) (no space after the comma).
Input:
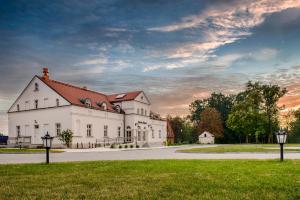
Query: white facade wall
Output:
(81,117)
(36,123)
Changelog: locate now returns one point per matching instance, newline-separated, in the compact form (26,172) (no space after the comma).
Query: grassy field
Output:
(17,150)
(238,148)
(164,179)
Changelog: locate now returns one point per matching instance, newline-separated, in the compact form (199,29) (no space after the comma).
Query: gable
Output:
(45,96)
(142,98)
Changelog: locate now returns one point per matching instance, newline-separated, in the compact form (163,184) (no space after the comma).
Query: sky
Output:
(175,50)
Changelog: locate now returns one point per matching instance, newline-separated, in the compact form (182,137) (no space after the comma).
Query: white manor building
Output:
(46,105)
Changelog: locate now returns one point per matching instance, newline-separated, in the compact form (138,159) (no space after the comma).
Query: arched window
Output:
(139,134)
(159,133)
(36,87)
(142,111)
(152,133)
(57,102)
(18,107)
(145,112)
(138,111)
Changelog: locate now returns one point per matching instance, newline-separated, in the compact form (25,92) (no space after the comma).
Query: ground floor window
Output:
(119,131)
(58,128)
(152,133)
(139,135)
(18,129)
(159,133)
(144,135)
(89,130)
(105,130)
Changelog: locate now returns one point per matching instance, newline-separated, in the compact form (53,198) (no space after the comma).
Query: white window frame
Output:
(89,130)
(58,128)
(105,131)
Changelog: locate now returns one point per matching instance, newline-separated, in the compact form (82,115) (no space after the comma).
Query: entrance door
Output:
(37,135)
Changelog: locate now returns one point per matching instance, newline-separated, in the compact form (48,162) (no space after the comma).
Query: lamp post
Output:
(47,142)
(281,139)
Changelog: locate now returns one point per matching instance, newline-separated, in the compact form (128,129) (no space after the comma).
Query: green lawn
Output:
(17,150)
(165,179)
(238,148)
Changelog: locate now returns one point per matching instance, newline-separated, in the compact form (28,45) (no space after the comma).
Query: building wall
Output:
(45,119)
(81,117)
(46,97)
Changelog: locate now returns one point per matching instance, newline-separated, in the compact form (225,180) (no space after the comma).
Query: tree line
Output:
(252,115)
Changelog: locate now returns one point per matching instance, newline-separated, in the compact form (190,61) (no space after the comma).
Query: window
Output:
(144,135)
(36,87)
(104,105)
(142,111)
(105,130)
(88,103)
(57,102)
(152,133)
(58,128)
(145,112)
(89,130)
(18,131)
(138,111)
(36,104)
(18,107)
(159,133)
(139,133)
(119,131)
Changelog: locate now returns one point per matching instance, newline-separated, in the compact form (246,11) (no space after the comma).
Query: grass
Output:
(157,179)
(237,148)
(17,150)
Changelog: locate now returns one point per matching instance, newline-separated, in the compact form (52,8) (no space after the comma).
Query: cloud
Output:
(265,54)
(94,61)
(223,24)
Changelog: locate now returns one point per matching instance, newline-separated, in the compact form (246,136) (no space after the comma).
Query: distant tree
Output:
(66,137)
(210,120)
(294,135)
(177,124)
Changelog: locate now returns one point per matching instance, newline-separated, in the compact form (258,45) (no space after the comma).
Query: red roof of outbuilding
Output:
(73,94)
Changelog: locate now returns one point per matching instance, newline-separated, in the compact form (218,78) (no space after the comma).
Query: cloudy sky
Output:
(174,50)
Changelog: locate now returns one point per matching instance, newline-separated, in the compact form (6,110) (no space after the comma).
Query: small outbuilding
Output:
(206,138)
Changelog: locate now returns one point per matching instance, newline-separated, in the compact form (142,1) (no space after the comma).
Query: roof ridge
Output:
(74,86)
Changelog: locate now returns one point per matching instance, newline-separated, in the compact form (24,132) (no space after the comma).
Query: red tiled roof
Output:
(128,96)
(73,94)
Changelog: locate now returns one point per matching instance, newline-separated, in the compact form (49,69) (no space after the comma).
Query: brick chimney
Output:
(46,73)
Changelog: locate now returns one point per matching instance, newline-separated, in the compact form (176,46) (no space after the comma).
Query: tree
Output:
(246,121)
(294,135)
(177,126)
(271,94)
(210,120)
(66,137)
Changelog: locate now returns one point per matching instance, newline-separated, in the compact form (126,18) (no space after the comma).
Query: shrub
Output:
(66,137)
(137,146)
(112,146)
(131,146)
(126,146)
(120,147)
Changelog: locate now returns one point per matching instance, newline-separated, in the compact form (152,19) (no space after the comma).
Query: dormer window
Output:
(104,106)
(36,87)
(57,102)
(88,103)
(18,107)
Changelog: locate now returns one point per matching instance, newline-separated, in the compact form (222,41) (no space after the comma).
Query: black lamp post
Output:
(281,139)
(47,142)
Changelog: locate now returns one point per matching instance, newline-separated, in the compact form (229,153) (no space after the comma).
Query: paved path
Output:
(139,154)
